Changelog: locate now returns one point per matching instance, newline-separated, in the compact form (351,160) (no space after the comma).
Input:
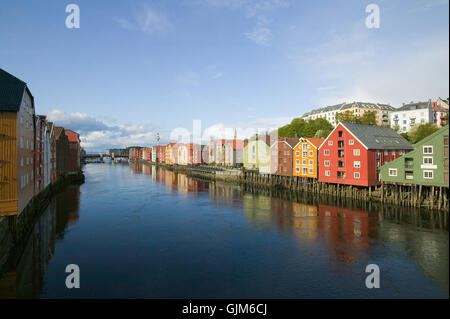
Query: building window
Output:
(356,175)
(351,142)
(326,163)
(340,164)
(340,144)
(305,154)
(340,133)
(304,162)
(305,171)
(326,152)
(341,153)
(311,153)
(356,152)
(393,172)
(428,160)
(327,173)
(297,153)
(305,146)
(340,175)
(330,143)
(297,169)
(428,174)
(311,162)
(21,142)
(409,175)
(311,170)
(297,162)
(386,153)
(428,149)
(357,164)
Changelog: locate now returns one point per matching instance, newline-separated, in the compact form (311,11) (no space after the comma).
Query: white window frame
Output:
(351,142)
(330,143)
(356,152)
(356,175)
(427,171)
(326,162)
(328,173)
(392,170)
(428,146)
(326,152)
(357,164)
(428,157)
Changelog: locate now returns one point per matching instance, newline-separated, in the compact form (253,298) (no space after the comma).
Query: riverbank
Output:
(419,196)
(14,230)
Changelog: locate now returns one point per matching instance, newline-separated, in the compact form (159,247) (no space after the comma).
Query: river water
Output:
(138,231)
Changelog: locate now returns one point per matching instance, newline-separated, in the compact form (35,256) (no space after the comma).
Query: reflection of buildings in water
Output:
(170,180)
(430,249)
(189,185)
(224,193)
(154,172)
(25,279)
(282,213)
(346,231)
(257,209)
(305,220)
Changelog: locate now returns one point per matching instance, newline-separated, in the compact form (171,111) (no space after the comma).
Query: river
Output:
(139,231)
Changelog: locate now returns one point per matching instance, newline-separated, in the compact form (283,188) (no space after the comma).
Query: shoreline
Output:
(414,196)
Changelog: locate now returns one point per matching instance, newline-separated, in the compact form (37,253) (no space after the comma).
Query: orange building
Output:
(305,157)
(170,153)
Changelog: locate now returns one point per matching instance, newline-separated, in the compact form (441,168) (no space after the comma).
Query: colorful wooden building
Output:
(62,151)
(16,144)
(353,153)
(74,151)
(170,153)
(305,157)
(234,152)
(427,164)
(133,153)
(281,156)
(257,154)
(146,154)
(185,154)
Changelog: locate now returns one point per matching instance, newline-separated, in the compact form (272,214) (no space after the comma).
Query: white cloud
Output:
(261,35)
(97,136)
(146,20)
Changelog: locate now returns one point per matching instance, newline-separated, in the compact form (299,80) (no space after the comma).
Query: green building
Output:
(427,164)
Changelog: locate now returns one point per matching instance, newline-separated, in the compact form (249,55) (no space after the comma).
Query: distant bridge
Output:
(96,158)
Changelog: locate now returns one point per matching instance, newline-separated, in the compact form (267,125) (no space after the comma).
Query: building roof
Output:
(58,131)
(291,141)
(72,136)
(315,141)
(413,106)
(11,92)
(365,105)
(377,137)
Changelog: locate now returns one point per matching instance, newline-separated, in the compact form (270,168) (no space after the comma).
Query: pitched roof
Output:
(72,136)
(316,141)
(413,106)
(11,92)
(377,137)
(365,105)
(58,131)
(291,141)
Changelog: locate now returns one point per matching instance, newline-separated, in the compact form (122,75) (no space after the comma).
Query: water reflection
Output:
(262,243)
(24,272)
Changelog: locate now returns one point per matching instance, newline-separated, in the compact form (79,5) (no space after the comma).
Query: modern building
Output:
(257,153)
(328,113)
(353,153)
(16,144)
(406,117)
(281,156)
(359,108)
(427,164)
(305,157)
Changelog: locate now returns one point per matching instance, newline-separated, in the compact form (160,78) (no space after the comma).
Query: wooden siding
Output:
(8,163)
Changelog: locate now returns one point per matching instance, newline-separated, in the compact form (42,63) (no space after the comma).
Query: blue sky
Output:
(135,68)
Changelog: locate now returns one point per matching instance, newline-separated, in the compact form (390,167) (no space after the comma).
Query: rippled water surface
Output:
(142,231)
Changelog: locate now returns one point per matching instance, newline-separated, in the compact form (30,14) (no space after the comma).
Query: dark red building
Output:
(74,151)
(353,153)
(281,156)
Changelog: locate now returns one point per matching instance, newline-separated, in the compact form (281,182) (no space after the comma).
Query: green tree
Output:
(420,131)
(301,128)
(368,118)
(347,117)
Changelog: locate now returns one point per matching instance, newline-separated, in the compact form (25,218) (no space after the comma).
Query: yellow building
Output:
(305,157)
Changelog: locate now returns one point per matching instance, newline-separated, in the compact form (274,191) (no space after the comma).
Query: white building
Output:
(406,117)
(328,113)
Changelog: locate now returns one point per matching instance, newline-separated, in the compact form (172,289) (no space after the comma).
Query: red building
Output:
(281,156)
(52,153)
(134,153)
(74,151)
(40,126)
(353,153)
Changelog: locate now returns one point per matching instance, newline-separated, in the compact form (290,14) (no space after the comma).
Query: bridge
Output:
(99,158)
